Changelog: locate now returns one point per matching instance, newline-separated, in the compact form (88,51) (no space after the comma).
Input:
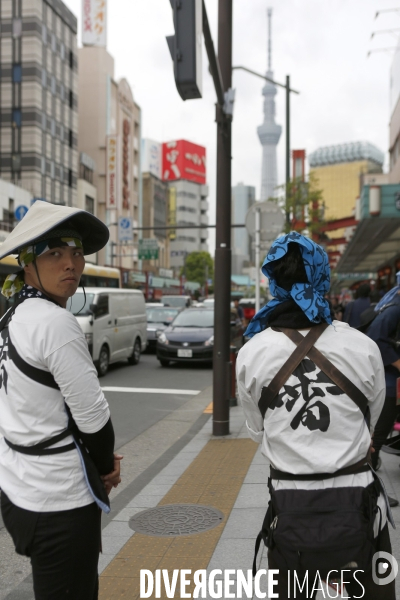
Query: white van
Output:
(114,323)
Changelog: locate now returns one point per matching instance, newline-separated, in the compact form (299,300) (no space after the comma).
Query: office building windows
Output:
(17,73)
(17,117)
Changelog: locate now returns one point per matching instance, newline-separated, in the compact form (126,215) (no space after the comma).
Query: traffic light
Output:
(185,47)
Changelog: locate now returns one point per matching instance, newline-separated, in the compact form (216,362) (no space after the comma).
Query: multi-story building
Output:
(109,132)
(243,196)
(38,98)
(155,213)
(338,170)
(394,127)
(184,168)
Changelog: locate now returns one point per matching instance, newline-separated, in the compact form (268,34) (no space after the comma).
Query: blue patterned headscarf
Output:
(309,296)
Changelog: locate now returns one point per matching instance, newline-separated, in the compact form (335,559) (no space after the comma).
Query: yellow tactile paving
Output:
(209,409)
(214,479)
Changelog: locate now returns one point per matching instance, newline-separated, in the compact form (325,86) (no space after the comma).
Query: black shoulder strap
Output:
(269,392)
(38,375)
(331,371)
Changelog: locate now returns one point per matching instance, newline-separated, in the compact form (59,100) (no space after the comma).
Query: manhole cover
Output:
(176,519)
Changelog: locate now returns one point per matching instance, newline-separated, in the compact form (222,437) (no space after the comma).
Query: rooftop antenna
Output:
(269,12)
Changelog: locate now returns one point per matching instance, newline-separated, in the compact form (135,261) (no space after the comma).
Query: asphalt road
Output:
(133,412)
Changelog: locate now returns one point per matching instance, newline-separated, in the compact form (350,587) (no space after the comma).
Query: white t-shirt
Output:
(325,431)
(49,338)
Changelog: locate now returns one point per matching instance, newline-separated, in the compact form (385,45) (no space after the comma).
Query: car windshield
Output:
(179,301)
(161,315)
(77,304)
(195,318)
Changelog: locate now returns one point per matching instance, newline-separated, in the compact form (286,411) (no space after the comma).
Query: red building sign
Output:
(183,160)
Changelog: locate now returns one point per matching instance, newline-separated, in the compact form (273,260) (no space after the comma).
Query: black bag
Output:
(325,529)
(320,530)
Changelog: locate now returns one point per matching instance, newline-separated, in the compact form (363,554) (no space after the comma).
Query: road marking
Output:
(150,391)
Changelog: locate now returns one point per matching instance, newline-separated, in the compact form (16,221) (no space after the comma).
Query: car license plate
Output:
(185,353)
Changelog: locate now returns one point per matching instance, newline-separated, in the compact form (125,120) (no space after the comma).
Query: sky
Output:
(321,44)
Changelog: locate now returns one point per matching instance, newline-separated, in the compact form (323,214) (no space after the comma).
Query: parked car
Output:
(176,301)
(158,319)
(114,323)
(190,337)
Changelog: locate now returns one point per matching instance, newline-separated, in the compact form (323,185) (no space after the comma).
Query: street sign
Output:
(125,233)
(272,220)
(20,212)
(148,249)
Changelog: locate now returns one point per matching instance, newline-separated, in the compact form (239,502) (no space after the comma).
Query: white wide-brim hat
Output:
(42,217)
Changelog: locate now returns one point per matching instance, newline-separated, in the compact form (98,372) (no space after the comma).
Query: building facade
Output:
(243,196)
(109,132)
(394,127)
(39,98)
(155,213)
(188,205)
(339,169)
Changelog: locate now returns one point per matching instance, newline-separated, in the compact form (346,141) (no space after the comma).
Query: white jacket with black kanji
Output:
(312,426)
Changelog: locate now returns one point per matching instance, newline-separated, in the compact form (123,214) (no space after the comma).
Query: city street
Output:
(134,412)
(149,428)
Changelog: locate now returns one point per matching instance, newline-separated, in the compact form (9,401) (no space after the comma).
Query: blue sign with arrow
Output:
(20,212)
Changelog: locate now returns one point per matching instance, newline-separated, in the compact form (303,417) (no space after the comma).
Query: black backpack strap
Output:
(38,375)
(42,448)
(269,392)
(331,371)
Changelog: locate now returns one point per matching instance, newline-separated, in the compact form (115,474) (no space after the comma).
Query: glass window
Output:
(62,92)
(161,315)
(89,204)
(17,117)
(16,162)
(53,127)
(102,306)
(44,34)
(43,165)
(53,43)
(52,169)
(70,177)
(44,78)
(70,138)
(76,304)
(61,173)
(17,73)
(53,85)
(71,99)
(62,51)
(17,28)
(62,132)
(195,318)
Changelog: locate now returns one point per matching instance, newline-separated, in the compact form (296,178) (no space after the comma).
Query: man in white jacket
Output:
(313,434)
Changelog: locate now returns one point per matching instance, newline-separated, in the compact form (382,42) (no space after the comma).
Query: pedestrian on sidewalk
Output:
(385,331)
(56,437)
(354,309)
(312,389)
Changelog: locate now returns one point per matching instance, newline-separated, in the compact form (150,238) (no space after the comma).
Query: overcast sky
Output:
(321,44)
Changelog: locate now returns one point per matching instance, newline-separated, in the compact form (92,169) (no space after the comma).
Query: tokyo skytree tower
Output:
(269,132)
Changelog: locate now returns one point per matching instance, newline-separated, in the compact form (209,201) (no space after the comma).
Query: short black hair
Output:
(290,269)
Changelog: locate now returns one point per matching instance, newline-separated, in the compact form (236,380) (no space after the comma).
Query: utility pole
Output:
(287,148)
(222,289)
(184,48)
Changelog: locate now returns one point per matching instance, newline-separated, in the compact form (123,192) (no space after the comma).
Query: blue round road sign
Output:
(20,212)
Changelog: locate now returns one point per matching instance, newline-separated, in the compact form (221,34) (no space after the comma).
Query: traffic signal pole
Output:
(222,278)
(184,49)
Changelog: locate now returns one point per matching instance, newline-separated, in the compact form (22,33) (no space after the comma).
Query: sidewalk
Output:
(229,474)
(175,462)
